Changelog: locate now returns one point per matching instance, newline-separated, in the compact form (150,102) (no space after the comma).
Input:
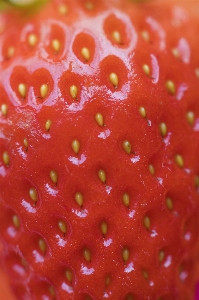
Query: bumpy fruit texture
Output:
(99,144)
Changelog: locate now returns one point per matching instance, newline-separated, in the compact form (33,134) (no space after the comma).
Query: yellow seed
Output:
(87,254)
(33,194)
(169,203)
(147,222)
(99,119)
(145,274)
(10,51)
(69,275)
(146,69)
(24,262)
(89,5)
(190,117)
(145,35)
(75,146)
(6,158)
(43,90)
(116,36)
(56,45)
(179,160)
(163,129)
(63,9)
(176,52)
(113,79)
(52,292)
(126,146)
(22,90)
(62,226)
(48,125)
(197,181)
(42,245)
(32,39)
(107,280)
(170,86)
(161,255)
(25,142)
(151,169)
(102,175)
(126,199)
(129,297)
(125,253)
(73,91)
(4,109)
(54,176)
(142,112)
(104,227)
(197,72)
(15,221)
(85,53)
(79,198)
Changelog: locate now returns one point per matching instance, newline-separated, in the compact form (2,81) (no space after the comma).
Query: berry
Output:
(99,143)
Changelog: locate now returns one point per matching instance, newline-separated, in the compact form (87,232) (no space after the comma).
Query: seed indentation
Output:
(62,226)
(42,245)
(33,194)
(69,275)
(104,227)
(169,203)
(87,254)
(147,222)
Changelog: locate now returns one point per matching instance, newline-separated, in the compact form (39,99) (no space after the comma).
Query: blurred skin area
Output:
(5,291)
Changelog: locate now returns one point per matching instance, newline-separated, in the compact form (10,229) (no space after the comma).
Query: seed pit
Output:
(84,47)
(116,31)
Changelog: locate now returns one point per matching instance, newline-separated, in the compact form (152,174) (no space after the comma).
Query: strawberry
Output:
(99,143)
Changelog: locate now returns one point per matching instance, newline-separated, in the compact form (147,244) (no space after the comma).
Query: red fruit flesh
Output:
(99,143)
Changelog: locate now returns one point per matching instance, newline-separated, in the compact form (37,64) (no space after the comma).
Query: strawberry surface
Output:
(99,143)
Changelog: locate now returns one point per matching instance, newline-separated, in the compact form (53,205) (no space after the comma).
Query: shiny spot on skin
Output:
(62,226)
(69,275)
(16,222)
(145,35)
(79,198)
(73,91)
(145,274)
(22,90)
(6,158)
(63,9)
(114,79)
(85,53)
(146,69)
(43,90)
(48,125)
(163,129)
(116,36)
(170,86)
(151,169)
(161,255)
(42,245)
(25,142)
(142,112)
(104,227)
(99,119)
(75,146)
(102,176)
(169,203)
(125,254)
(33,194)
(53,176)
(10,52)
(32,39)
(190,117)
(56,45)
(126,199)
(147,222)
(4,109)
(126,146)
(87,254)
(179,160)
(129,268)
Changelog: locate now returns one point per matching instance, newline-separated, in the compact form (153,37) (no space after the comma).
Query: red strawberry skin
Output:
(99,181)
